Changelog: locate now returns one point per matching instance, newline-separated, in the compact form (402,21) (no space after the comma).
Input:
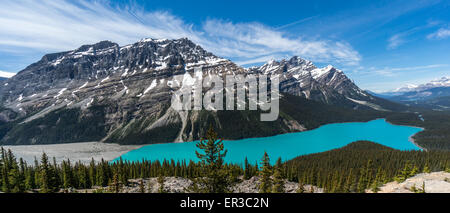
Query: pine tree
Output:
(362,181)
(141,186)
(376,182)
(266,173)
(349,182)
(6,187)
(426,168)
(16,179)
(414,171)
(37,175)
(115,186)
(278,181)
(67,175)
(29,179)
(161,184)
(92,173)
(215,176)
(405,173)
(247,169)
(301,186)
(48,183)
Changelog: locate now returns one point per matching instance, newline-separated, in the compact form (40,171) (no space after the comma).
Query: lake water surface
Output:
(290,145)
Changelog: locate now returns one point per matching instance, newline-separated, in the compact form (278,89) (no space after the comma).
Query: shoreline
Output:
(411,138)
(81,151)
(84,151)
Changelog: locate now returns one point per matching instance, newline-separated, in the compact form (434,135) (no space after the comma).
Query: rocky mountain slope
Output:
(104,92)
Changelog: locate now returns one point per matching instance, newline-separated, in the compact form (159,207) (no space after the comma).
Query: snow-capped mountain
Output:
(328,84)
(443,82)
(433,89)
(114,94)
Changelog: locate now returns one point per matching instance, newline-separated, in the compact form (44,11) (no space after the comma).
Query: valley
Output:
(120,96)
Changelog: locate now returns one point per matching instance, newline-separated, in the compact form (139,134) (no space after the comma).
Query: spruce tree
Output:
(405,173)
(215,178)
(266,173)
(115,185)
(414,171)
(16,179)
(29,179)
(92,173)
(161,184)
(278,180)
(48,183)
(67,175)
(349,182)
(426,168)
(6,187)
(37,175)
(141,186)
(247,169)
(376,182)
(301,186)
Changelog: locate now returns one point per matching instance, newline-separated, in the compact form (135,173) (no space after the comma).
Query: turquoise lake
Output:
(290,145)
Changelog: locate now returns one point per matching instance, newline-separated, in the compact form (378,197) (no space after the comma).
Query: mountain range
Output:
(433,95)
(122,94)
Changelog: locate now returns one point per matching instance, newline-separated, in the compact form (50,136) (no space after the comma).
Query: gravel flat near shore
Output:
(83,152)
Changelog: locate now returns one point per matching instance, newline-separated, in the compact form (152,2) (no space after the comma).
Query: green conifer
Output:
(266,173)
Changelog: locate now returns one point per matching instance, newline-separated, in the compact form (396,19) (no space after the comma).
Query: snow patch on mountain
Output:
(366,103)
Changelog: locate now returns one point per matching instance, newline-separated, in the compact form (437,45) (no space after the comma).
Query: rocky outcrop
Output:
(436,182)
(180,185)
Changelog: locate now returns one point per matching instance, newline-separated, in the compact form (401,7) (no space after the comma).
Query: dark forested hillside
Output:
(436,124)
(362,165)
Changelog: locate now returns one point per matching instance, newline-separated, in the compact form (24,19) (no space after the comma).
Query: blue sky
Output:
(381,45)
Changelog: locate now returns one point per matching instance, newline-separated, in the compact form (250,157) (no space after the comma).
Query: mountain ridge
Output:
(124,93)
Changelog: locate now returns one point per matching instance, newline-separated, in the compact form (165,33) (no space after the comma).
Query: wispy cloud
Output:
(48,26)
(401,38)
(390,72)
(296,22)
(253,40)
(440,34)
(395,41)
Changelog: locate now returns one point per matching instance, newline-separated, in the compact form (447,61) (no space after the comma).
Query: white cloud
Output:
(250,41)
(406,36)
(395,41)
(440,34)
(50,26)
(4,74)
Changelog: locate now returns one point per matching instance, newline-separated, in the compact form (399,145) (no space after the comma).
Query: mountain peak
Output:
(97,46)
(319,72)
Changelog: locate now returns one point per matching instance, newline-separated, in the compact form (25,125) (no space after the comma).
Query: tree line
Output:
(354,168)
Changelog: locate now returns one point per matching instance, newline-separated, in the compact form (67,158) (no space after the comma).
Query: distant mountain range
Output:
(105,92)
(433,95)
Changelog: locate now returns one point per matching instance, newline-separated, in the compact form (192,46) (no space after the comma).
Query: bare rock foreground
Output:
(436,182)
(180,185)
